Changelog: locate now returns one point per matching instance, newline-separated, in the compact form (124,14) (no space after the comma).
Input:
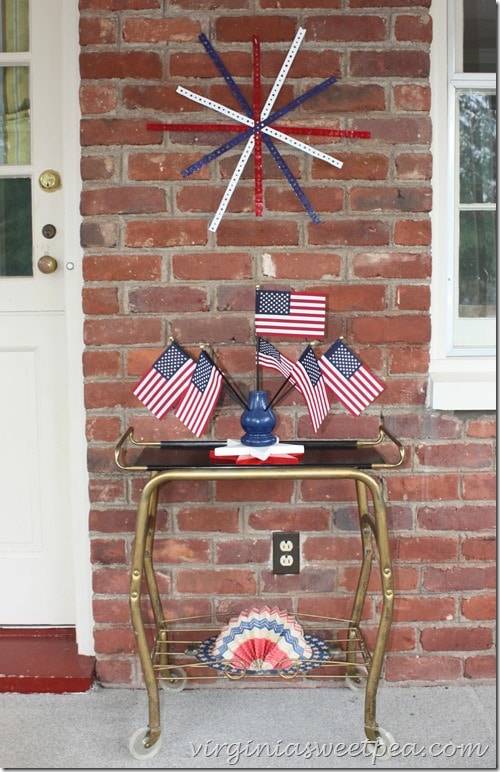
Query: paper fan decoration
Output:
(262,640)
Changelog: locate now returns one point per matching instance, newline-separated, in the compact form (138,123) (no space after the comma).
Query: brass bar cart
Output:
(166,648)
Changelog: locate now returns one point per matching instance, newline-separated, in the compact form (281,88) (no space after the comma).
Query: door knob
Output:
(50,180)
(47,264)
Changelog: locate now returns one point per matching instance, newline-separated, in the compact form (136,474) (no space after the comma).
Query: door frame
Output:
(76,435)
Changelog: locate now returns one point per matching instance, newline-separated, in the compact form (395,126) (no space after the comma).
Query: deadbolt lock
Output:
(50,180)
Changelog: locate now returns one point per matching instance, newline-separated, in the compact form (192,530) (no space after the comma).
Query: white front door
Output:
(37,582)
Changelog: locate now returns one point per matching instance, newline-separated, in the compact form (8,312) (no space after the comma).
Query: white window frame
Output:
(461,378)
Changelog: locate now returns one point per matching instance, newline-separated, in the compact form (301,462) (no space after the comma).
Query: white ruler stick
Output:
(302,146)
(201,100)
(278,83)
(267,129)
(232,184)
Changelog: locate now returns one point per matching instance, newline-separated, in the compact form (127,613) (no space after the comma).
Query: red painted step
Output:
(36,660)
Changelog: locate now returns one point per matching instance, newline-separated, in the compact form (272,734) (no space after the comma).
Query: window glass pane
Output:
(477,122)
(480,36)
(14,116)
(14,25)
(15,227)
(477,264)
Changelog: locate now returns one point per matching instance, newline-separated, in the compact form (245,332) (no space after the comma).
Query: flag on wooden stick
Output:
(352,383)
(309,381)
(201,396)
(166,381)
(284,313)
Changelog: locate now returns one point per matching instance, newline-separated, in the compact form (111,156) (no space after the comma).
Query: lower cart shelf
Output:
(183,653)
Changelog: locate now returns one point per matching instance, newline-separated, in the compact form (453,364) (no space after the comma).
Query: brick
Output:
(184,65)
(209,518)
(123,200)
(97,100)
(421,487)
(114,640)
(434,609)
(349,29)
(162,166)
(118,5)
(357,232)
(122,267)
(114,672)
(111,581)
(122,330)
(429,668)
(114,611)
(412,233)
(97,31)
(460,518)
(283,199)
(123,65)
(328,4)
(414,166)
(322,64)
(392,265)
(298,265)
(412,97)
(310,580)
(481,667)
(107,491)
(484,426)
(103,429)
(154,30)
(213,266)
(459,578)
(389,64)
(108,551)
(406,359)
(319,548)
(348,99)
(479,607)
(254,490)
(108,395)
(161,299)
(100,301)
(270,29)
(290,519)
(427,548)
(116,131)
(472,455)
(400,130)
(194,329)
(99,168)
(456,639)
(352,297)
(102,234)
(243,551)
(413,298)
(181,551)
(399,199)
(191,198)
(479,548)
(243,233)
(157,97)
(220,581)
(403,328)
(166,233)
(414,28)
(357,166)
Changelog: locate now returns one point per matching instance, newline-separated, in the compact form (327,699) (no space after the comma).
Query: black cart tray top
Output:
(165,455)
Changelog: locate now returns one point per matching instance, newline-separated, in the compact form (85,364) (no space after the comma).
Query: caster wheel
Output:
(357,682)
(175,679)
(383,744)
(137,748)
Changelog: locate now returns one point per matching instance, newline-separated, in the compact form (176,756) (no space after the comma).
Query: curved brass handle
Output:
(47,264)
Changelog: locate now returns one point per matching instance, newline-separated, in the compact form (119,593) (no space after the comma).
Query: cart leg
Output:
(153,733)
(382,541)
(364,577)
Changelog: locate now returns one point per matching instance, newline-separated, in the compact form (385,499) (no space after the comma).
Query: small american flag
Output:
(278,312)
(269,356)
(309,381)
(166,380)
(201,396)
(353,384)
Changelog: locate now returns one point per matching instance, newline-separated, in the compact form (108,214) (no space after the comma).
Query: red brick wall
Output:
(153,270)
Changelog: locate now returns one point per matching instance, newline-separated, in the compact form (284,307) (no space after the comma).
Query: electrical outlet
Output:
(286,552)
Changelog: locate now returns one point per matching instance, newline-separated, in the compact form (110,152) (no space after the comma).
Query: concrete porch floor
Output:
(436,727)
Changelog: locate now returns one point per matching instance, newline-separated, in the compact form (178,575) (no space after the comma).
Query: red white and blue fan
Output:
(265,641)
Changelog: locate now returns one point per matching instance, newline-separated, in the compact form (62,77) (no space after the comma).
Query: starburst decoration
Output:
(257,125)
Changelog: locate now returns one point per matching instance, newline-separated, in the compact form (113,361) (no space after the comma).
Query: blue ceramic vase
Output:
(258,421)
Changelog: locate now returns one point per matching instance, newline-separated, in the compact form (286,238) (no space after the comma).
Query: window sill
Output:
(463,384)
